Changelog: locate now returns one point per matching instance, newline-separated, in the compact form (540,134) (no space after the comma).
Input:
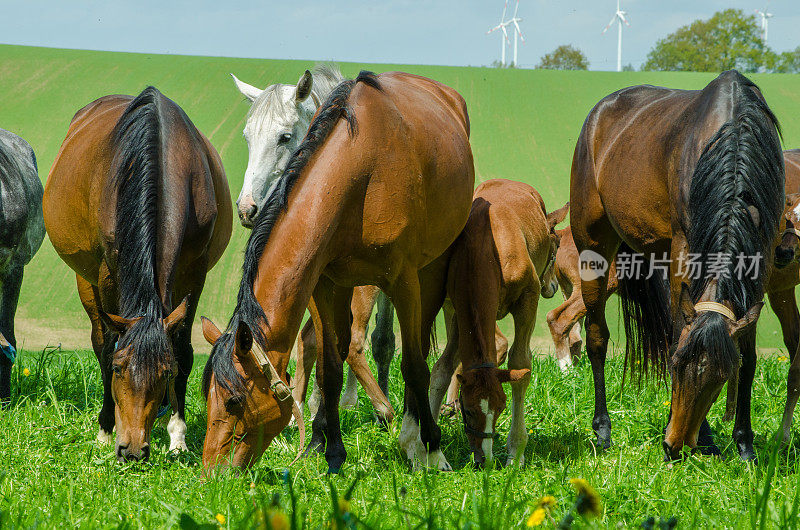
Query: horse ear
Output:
(244,339)
(176,317)
(248,91)
(116,323)
(746,322)
(512,376)
(553,218)
(686,304)
(303,87)
(210,331)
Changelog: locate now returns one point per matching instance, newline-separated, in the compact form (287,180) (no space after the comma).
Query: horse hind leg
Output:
(784,305)
(383,340)
(520,358)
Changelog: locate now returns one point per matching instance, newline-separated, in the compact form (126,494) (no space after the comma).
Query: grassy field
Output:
(53,472)
(524,126)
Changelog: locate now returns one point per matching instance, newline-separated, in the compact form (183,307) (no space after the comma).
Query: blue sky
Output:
(451,32)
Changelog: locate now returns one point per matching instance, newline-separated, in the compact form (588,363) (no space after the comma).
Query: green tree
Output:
(565,57)
(788,62)
(729,39)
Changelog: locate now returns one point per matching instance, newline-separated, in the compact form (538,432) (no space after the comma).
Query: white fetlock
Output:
(349,401)
(104,437)
(177,434)
(436,460)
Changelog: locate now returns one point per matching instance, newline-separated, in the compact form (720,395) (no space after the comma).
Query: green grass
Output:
(53,472)
(524,126)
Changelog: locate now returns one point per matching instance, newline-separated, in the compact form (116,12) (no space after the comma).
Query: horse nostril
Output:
(145,453)
(783,256)
(668,456)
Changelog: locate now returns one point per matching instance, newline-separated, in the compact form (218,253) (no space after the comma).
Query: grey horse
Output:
(21,235)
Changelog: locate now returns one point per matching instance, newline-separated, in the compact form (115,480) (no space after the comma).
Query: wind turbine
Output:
(502,26)
(765,16)
(517,33)
(619,18)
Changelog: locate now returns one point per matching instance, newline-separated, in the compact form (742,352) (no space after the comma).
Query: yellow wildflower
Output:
(26,372)
(547,502)
(588,502)
(536,518)
(220,518)
(667,403)
(344,505)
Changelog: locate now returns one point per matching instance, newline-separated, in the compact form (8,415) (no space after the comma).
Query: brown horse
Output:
(695,177)
(137,204)
(500,264)
(375,194)
(565,320)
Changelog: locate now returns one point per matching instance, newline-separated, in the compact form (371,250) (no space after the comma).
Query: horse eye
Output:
(285,137)
(117,369)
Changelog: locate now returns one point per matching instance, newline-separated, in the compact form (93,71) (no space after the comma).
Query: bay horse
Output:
(379,188)
(137,204)
(686,176)
(565,320)
(277,121)
(500,264)
(21,235)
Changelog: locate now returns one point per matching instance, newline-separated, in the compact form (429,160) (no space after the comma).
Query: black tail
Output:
(647,320)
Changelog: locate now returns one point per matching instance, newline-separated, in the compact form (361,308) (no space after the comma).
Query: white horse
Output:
(276,123)
(279,118)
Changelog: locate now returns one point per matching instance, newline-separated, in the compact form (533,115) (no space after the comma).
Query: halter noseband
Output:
(714,307)
(794,231)
(467,427)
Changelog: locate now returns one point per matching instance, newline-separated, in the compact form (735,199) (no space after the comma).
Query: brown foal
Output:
(500,264)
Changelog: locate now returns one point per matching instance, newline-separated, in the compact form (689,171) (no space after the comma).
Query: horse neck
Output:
(293,259)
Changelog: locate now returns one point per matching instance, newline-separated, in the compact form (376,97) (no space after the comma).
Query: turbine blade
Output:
(503,16)
(519,31)
(622,18)
(614,18)
(516,9)
(505,33)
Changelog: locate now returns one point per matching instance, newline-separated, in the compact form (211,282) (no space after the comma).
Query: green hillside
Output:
(524,126)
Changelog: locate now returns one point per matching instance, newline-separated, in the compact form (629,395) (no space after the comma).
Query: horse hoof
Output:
(178,448)
(334,470)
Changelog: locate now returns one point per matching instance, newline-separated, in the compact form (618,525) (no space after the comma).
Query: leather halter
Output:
(282,392)
(794,231)
(468,429)
(714,307)
(550,260)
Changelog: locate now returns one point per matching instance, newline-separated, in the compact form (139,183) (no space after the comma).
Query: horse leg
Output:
(90,299)
(184,354)
(361,309)
(333,304)
(359,368)
(12,281)
(784,306)
(500,344)
(417,296)
(306,357)
(524,314)
(383,340)
(565,328)
(442,372)
(742,430)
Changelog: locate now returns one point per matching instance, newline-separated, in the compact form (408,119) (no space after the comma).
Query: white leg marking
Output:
(486,443)
(177,434)
(349,399)
(104,437)
(411,443)
(315,399)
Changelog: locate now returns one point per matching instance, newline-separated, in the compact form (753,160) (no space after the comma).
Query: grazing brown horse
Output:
(500,264)
(375,194)
(137,204)
(694,177)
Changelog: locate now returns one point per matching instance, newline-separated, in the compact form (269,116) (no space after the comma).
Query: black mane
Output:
(740,168)
(248,309)
(136,174)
